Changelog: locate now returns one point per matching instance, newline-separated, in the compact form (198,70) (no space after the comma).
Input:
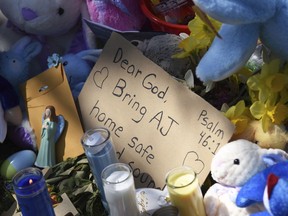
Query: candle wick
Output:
(30,181)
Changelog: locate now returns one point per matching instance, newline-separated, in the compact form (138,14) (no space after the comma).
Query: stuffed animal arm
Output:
(243,23)
(238,12)
(237,42)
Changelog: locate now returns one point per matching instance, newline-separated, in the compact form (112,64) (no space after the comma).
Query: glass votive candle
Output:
(184,191)
(100,152)
(120,190)
(32,194)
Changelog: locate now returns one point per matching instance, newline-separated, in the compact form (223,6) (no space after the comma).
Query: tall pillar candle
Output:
(32,194)
(100,152)
(120,190)
(185,192)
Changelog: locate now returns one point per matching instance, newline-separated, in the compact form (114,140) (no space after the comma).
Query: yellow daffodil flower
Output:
(239,115)
(201,37)
(269,93)
(269,114)
(269,82)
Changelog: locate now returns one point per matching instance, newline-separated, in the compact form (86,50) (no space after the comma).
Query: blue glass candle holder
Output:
(32,194)
(100,152)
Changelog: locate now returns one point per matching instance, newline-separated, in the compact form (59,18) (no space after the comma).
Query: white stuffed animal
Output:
(232,166)
(219,200)
(55,23)
(41,17)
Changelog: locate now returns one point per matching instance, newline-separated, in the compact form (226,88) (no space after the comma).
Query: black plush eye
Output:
(236,161)
(60,11)
(135,43)
(65,63)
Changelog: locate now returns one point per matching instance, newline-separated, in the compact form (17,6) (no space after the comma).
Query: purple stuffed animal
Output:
(16,68)
(122,15)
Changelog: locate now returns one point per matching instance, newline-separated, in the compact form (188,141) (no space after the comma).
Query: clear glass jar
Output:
(185,192)
(119,187)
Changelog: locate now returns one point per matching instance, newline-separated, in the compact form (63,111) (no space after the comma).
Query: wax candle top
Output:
(95,139)
(28,182)
(180,181)
(117,177)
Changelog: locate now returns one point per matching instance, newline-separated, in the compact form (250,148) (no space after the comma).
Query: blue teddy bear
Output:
(244,23)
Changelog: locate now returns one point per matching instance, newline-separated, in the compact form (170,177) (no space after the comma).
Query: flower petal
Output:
(257,109)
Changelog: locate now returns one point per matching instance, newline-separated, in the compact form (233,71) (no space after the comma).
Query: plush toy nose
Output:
(28,14)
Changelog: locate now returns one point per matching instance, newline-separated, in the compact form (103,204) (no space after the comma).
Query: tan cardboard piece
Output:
(51,88)
(156,122)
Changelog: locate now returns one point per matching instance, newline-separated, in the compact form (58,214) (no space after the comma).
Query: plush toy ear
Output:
(90,54)
(225,56)
(32,50)
(274,156)
(238,12)
(27,48)
(20,44)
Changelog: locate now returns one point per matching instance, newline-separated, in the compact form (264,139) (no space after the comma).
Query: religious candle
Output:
(185,192)
(32,194)
(120,190)
(100,153)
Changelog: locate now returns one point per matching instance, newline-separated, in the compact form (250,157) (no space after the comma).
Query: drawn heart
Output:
(192,159)
(100,76)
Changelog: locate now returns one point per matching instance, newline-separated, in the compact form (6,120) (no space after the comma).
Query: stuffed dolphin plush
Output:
(244,23)
(269,186)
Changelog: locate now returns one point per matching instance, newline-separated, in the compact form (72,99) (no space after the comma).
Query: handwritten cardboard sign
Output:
(157,123)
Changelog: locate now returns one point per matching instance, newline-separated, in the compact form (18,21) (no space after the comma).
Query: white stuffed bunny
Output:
(232,166)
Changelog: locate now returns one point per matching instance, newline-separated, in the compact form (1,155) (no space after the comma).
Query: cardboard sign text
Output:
(157,123)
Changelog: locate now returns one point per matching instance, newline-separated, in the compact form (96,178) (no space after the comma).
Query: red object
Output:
(159,24)
(271,182)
